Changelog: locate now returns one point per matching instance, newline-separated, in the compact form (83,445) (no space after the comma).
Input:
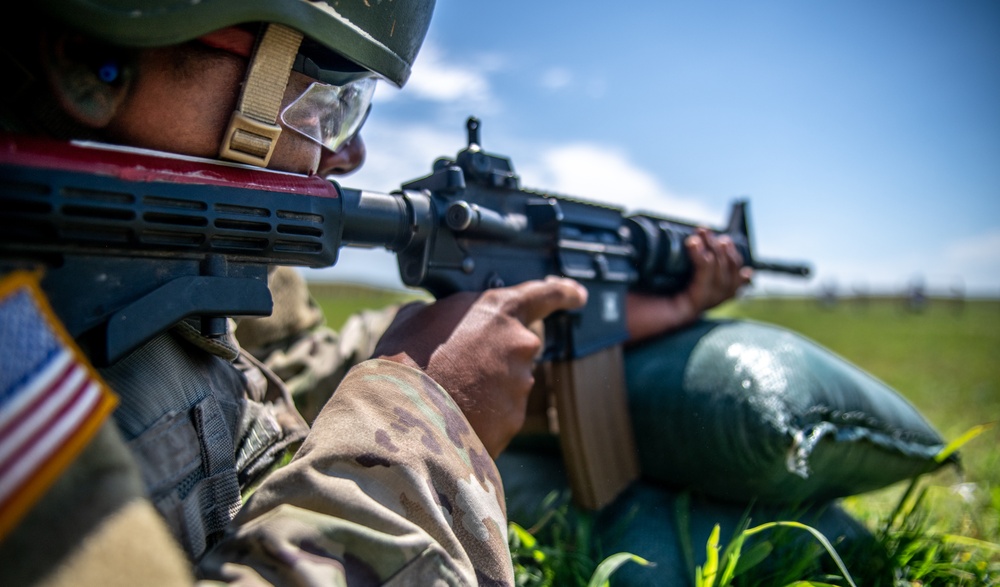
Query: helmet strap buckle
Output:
(248,140)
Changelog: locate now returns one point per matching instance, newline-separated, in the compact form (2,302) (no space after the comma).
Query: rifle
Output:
(134,241)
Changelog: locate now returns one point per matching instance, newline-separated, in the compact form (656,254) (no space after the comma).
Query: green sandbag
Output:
(671,529)
(741,410)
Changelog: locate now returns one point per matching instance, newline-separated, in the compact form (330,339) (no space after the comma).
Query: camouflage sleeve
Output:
(392,486)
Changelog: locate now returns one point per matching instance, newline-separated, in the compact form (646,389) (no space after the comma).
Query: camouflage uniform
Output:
(391,485)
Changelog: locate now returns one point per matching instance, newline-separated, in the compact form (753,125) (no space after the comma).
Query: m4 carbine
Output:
(134,241)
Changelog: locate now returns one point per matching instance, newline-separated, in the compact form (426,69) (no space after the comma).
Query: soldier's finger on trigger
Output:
(538,299)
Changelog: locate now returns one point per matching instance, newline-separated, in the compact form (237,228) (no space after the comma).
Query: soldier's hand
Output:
(718,270)
(479,347)
(718,276)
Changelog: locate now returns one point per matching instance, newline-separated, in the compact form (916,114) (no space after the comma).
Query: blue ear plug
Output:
(108,72)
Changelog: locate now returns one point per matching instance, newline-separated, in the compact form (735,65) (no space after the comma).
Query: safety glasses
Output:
(331,115)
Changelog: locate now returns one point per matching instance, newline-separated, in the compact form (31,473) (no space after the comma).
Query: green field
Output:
(944,359)
(340,300)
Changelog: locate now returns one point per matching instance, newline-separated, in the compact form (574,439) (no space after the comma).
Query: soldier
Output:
(394,480)
(145,483)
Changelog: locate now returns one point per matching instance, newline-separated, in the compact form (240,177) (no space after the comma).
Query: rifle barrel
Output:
(799,269)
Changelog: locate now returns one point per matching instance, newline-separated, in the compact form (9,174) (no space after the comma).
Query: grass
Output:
(340,300)
(939,530)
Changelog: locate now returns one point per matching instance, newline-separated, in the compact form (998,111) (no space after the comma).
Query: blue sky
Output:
(866,135)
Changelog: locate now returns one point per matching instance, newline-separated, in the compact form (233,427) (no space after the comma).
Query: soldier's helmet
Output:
(382,36)
(343,44)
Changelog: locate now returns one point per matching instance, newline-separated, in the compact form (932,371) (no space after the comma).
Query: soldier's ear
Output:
(89,79)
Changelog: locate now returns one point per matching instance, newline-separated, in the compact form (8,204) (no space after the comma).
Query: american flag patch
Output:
(52,401)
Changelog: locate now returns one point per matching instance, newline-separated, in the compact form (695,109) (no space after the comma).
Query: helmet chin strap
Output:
(253,130)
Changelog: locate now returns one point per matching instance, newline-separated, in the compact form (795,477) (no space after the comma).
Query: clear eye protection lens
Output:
(331,115)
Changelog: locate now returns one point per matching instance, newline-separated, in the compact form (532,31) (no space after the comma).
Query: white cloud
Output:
(970,264)
(973,262)
(399,151)
(981,249)
(440,78)
(556,78)
(607,175)
(385,92)
(560,78)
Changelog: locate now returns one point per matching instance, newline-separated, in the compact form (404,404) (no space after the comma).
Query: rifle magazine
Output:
(595,429)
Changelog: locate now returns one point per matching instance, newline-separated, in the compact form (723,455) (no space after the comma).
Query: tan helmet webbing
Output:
(253,130)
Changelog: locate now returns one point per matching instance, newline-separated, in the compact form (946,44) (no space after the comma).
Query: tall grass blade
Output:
(753,557)
(972,542)
(525,537)
(711,568)
(956,444)
(682,515)
(602,575)
(731,555)
(890,521)
(819,538)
